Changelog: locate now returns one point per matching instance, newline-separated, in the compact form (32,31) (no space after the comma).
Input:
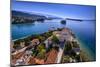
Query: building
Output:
(35,42)
(22,44)
(51,56)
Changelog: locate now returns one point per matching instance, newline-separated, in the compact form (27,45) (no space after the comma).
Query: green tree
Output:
(55,39)
(65,59)
(40,47)
(41,51)
(68,46)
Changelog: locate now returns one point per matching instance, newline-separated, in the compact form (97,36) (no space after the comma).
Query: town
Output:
(55,46)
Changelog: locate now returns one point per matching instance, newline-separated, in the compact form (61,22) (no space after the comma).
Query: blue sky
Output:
(60,10)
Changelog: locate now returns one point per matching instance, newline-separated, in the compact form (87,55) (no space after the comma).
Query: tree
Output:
(63,21)
(40,47)
(65,59)
(41,54)
(55,39)
(75,44)
(68,46)
(41,51)
(34,52)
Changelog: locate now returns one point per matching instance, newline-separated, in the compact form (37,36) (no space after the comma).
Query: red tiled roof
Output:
(31,61)
(34,60)
(17,56)
(51,56)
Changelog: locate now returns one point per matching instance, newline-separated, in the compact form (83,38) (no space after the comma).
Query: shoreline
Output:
(85,49)
(33,34)
(21,38)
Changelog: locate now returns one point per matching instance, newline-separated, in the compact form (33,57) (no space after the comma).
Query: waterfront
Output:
(85,31)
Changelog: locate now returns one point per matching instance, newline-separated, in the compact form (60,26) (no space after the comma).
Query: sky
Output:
(60,10)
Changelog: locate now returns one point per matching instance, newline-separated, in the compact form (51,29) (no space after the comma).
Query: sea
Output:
(85,32)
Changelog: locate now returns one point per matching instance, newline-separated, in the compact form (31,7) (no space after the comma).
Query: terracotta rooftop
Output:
(39,61)
(51,56)
(34,60)
(31,61)
(17,56)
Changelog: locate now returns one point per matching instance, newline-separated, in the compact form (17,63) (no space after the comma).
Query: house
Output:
(34,60)
(35,41)
(31,60)
(16,58)
(28,52)
(50,40)
(51,56)
(57,33)
(66,34)
(22,44)
(20,61)
(21,58)
(39,61)
(19,51)
(11,47)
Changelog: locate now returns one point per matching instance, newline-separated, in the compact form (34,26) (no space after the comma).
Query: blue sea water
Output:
(85,31)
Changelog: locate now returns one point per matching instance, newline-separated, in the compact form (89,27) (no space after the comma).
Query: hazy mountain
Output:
(27,15)
(24,17)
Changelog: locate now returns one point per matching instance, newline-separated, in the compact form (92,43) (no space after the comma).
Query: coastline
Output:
(21,38)
(85,49)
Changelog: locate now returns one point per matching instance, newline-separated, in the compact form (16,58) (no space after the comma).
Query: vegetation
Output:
(27,40)
(78,58)
(68,47)
(75,44)
(63,21)
(40,47)
(17,44)
(41,51)
(72,53)
(55,39)
(84,57)
(40,20)
(22,17)
(17,20)
(41,54)
(34,52)
(66,59)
